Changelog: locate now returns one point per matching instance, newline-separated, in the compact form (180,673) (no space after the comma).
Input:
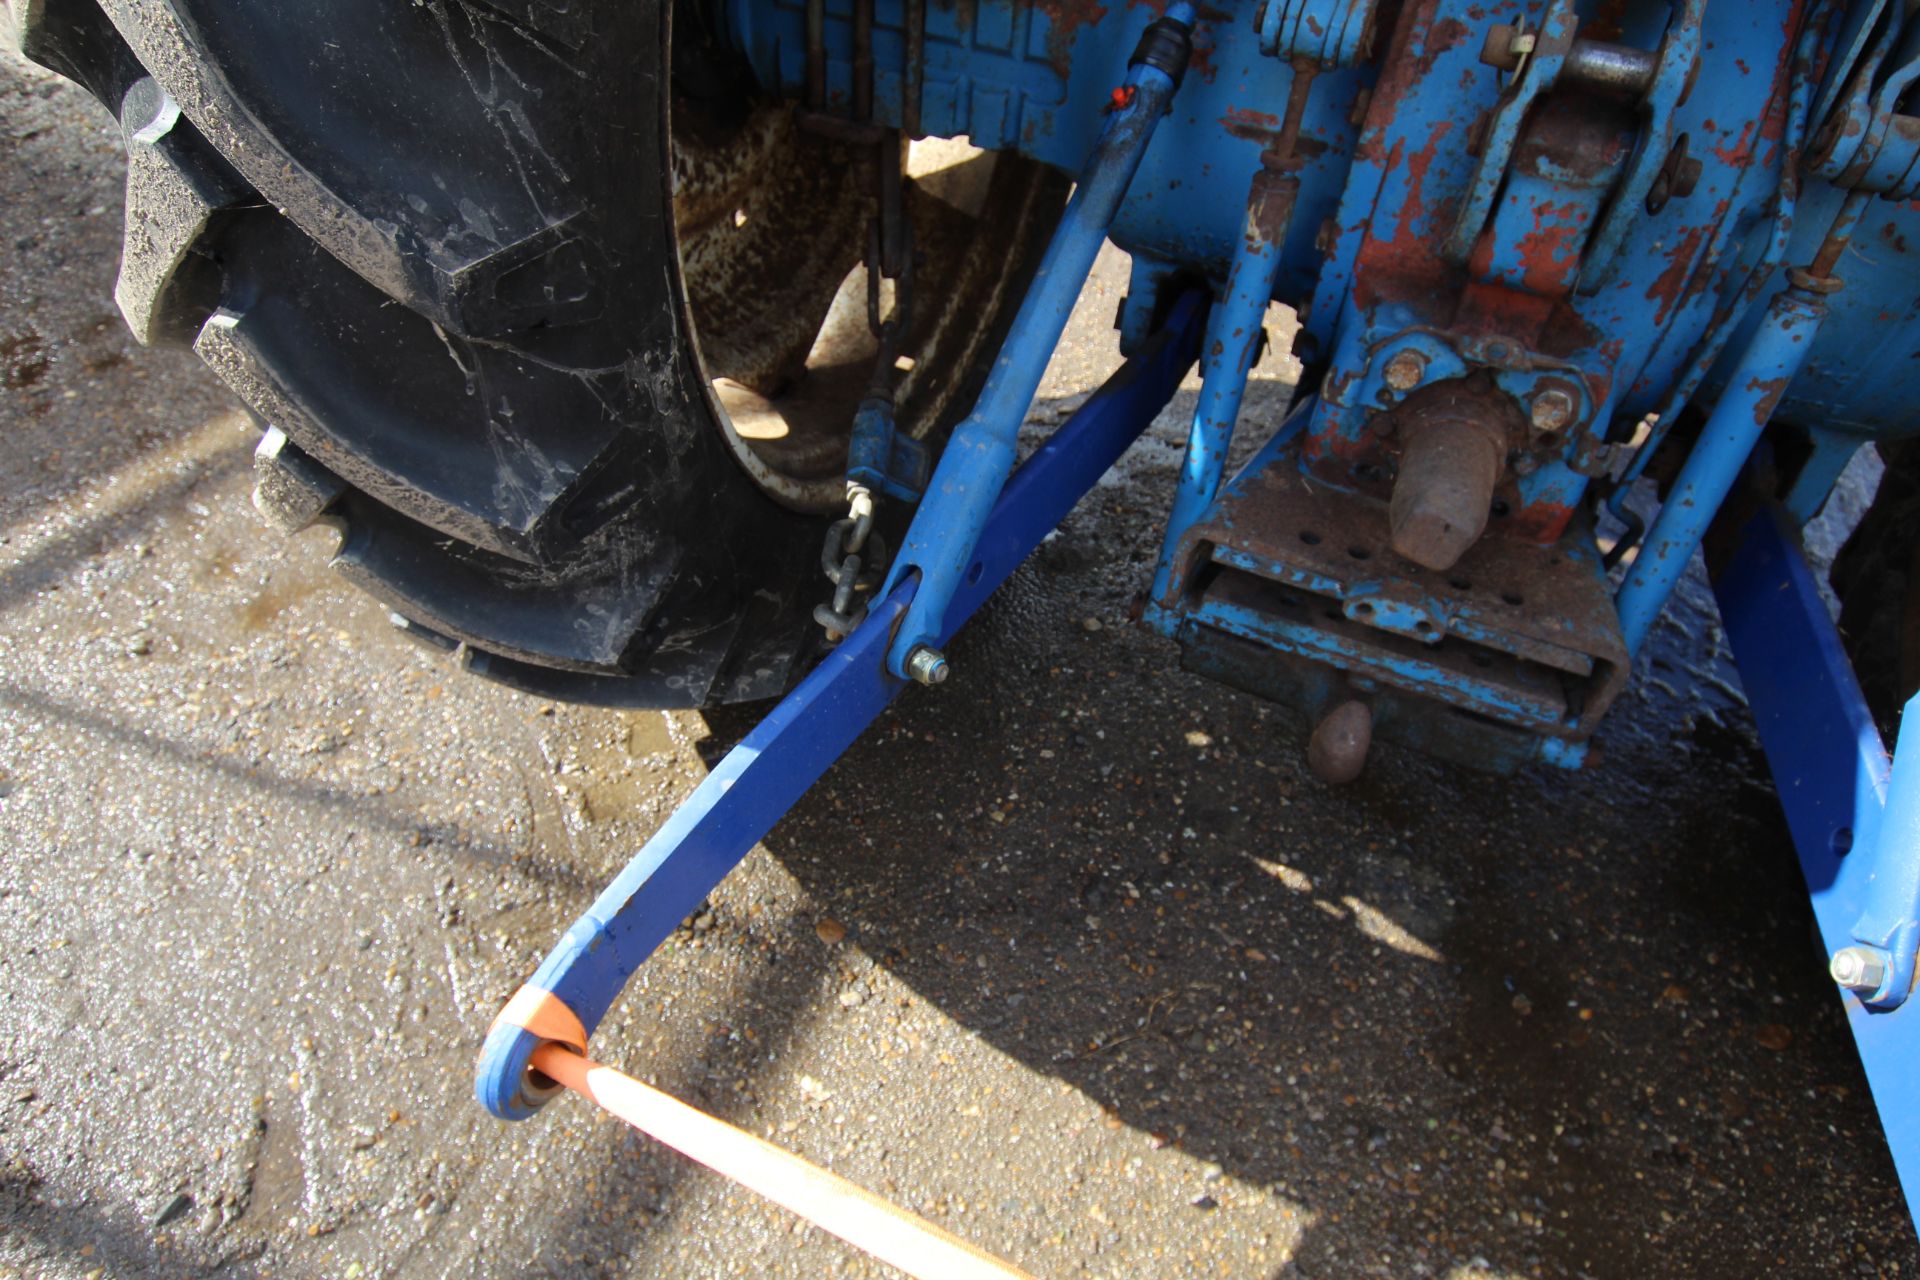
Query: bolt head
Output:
(927,665)
(1859,969)
(1551,410)
(1404,371)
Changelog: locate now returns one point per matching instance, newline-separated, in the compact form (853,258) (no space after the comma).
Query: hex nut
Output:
(1859,969)
(1404,372)
(1550,410)
(927,665)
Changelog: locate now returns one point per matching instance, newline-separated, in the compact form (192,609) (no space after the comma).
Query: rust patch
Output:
(1064,20)
(1406,252)
(1246,118)
(1669,287)
(1417,41)
(1489,309)
(1538,522)
(1574,141)
(1550,251)
(1773,125)
(1735,154)
(1772,391)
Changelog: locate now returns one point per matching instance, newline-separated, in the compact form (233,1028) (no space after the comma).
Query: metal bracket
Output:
(884,459)
(1558,397)
(1281,571)
(1889,923)
(1535,75)
(1538,68)
(1673,74)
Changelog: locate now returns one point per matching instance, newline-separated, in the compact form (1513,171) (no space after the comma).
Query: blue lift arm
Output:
(759,780)
(980,453)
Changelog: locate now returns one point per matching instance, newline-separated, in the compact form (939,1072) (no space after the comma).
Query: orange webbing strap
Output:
(545,1015)
(825,1199)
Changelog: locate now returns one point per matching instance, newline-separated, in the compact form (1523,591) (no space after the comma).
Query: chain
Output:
(854,557)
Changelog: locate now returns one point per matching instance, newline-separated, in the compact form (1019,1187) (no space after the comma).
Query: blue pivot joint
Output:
(1878,966)
(758,781)
(939,547)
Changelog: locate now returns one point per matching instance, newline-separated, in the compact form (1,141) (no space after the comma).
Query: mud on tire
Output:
(454,255)
(1874,575)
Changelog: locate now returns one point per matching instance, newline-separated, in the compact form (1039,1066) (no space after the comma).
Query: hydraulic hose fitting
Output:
(1167,44)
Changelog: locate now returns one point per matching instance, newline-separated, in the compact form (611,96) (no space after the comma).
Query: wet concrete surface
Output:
(1069,954)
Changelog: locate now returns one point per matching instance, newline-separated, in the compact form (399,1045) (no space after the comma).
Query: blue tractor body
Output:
(1586,233)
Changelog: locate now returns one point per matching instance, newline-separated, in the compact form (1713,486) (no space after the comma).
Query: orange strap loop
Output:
(545,1015)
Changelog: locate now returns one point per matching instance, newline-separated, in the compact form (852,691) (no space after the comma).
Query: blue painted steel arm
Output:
(759,780)
(1772,358)
(1831,772)
(939,544)
(1233,340)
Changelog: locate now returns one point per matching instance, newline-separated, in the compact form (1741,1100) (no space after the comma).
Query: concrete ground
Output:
(1069,954)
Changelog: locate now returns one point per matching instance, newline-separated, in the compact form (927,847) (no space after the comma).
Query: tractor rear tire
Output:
(1876,575)
(454,254)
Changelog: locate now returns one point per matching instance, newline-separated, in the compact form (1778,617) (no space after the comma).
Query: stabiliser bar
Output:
(1848,805)
(759,780)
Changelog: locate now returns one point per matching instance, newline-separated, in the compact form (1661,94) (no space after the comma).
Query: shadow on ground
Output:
(1562,1024)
